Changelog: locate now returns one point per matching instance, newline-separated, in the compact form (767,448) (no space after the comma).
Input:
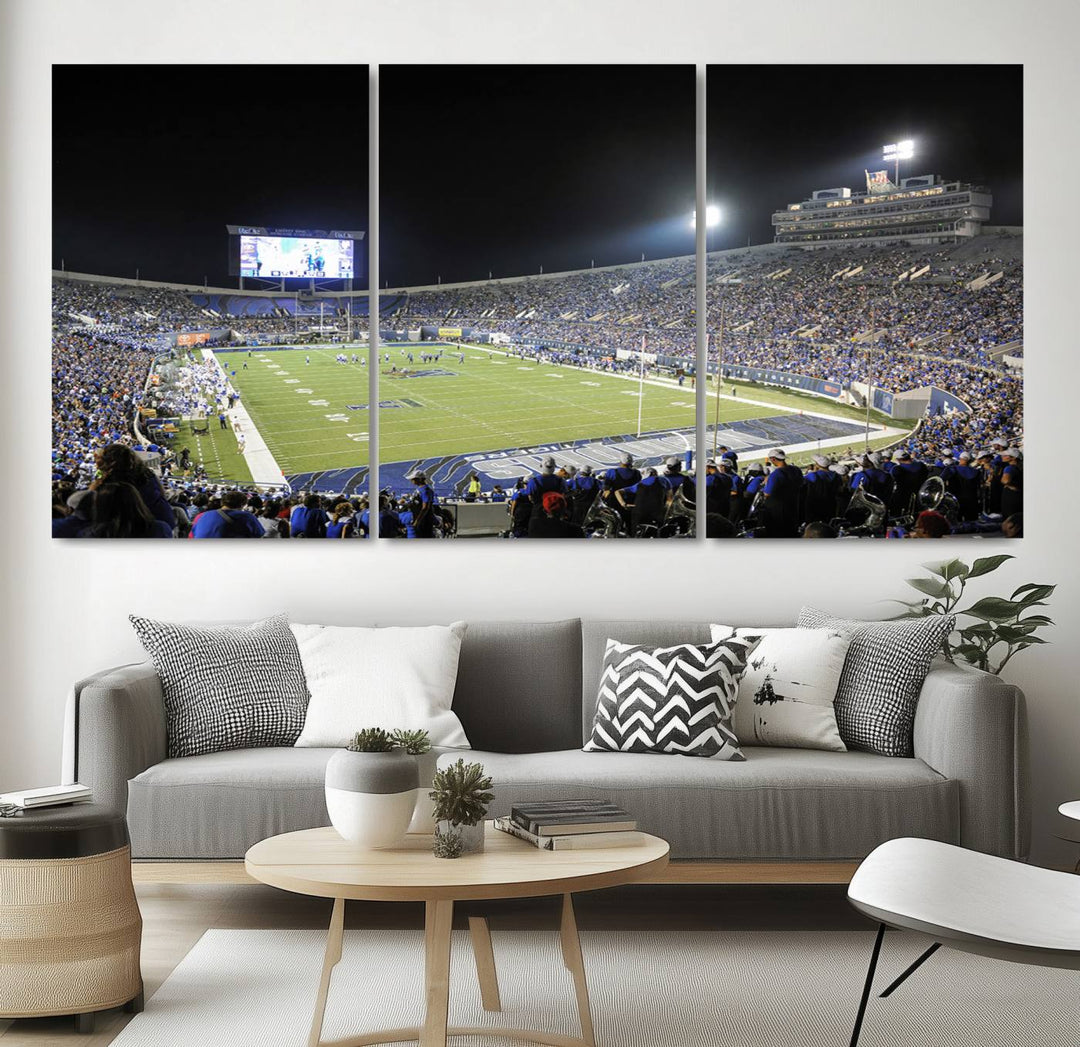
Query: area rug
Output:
(652,989)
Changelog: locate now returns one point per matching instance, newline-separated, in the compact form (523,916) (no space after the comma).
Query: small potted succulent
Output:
(460,794)
(372,786)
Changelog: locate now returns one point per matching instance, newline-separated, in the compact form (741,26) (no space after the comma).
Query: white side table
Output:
(1072,810)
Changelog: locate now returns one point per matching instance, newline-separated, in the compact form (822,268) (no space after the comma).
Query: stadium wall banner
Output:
(884,401)
(768,376)
(185,338)
(942,401)
(430,333)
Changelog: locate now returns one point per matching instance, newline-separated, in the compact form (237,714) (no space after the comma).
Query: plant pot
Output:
(423,819)
(370,797)
(472,836)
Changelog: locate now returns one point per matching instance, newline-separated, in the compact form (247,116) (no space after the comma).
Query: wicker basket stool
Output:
(70,927)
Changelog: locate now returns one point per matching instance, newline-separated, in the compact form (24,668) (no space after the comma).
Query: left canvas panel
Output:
(209,302)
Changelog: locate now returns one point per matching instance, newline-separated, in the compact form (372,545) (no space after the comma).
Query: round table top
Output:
(1070,809)
(319,862)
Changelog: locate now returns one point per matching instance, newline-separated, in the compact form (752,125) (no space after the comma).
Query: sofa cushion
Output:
(675,699)
(227,687)
(780,804)
(787,692)
(398,677)
(883,676)
(594,638)
(219,804)
(519,685)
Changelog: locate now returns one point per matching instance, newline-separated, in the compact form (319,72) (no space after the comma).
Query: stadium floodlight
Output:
(712,217)
(897,151)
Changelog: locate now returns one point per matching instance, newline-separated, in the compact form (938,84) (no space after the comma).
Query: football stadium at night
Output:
(862,372)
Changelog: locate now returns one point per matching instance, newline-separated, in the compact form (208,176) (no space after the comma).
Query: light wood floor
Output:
(176,915)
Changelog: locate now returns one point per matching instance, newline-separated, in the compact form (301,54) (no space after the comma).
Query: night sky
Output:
(151,162)
(498,168)
(510,168)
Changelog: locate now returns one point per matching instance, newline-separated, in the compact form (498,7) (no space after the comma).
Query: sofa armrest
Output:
(971,726)
(115,730)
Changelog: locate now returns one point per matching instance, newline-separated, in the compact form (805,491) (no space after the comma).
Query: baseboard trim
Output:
(152,872)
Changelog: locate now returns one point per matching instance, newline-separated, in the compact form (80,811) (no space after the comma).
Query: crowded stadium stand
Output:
(930,333)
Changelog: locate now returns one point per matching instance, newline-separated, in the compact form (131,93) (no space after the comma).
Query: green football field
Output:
(314,416)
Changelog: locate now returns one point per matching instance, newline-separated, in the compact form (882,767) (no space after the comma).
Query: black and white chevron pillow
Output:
(670,699)
(227,687)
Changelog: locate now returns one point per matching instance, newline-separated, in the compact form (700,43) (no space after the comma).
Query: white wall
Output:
(65,603)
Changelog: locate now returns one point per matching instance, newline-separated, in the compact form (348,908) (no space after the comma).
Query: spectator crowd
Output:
(849,315)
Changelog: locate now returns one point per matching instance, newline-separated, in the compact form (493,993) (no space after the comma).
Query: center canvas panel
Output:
(536,309)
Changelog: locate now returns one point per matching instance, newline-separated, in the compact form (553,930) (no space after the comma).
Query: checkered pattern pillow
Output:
(883,675)
(227,687)
(670,699)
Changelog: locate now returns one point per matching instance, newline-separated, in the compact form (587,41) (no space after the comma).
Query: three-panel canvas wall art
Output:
(537,352)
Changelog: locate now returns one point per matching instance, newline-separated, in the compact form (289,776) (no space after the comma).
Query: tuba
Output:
(875,513)
(933,496)
(680,517)
(601,521)
(752,525)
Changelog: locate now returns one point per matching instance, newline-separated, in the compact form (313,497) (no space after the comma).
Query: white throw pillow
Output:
(786,694)
(389,678)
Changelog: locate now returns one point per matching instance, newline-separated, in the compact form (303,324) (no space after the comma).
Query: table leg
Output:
(439,918)
(571,950)
(330,959)
(484,955)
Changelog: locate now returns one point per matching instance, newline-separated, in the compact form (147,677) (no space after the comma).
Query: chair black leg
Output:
(912,969)
(868,986)
(84,1023)
(135,1004)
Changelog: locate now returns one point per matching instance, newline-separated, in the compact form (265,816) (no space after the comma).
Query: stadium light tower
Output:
(896,152)
(712,217)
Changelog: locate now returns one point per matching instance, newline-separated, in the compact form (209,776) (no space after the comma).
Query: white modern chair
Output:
(969,901)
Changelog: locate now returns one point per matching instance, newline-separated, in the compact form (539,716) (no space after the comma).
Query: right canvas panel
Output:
(864,302)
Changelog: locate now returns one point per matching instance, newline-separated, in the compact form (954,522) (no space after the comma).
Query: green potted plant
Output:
(460,794)
(998,627)
(372,785)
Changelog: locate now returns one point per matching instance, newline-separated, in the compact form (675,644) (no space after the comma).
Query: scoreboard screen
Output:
(296,257)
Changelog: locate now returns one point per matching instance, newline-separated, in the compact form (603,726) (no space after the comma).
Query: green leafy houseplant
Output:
(1002,627)
(376,740)
(461,793)
(447,843)
(371,740)
(415,743)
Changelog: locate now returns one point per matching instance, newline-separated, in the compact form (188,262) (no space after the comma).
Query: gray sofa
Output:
(525,695)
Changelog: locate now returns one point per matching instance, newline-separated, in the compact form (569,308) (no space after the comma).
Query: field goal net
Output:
(199,423)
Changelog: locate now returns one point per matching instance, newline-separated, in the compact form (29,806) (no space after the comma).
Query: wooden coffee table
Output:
(319,862)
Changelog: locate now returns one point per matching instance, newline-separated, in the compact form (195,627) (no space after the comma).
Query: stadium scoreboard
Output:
(262,253)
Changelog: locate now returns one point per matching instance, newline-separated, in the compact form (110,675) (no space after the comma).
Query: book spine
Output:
(508,825)
(518,819)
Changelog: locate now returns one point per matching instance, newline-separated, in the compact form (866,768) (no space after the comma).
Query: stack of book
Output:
(50,796)
(567,825)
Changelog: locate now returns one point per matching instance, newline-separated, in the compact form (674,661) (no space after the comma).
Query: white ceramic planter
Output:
(371,797)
